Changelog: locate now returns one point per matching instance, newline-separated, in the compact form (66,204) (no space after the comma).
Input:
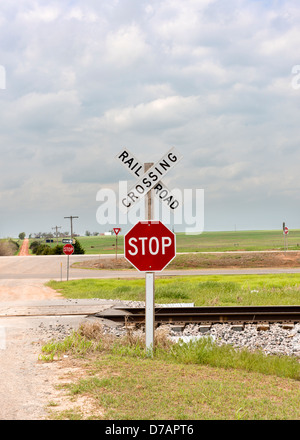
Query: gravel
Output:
(272,339)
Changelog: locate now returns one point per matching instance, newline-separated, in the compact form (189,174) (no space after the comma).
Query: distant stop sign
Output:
(150,246)
(68,249)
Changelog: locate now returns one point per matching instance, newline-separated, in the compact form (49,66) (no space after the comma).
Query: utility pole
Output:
(71,218)
(56,232)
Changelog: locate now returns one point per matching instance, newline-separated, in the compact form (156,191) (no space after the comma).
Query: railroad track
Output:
(163,315)
(204,315)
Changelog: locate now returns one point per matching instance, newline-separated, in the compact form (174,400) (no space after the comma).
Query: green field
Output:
(204,290)
(205,242)
(237,240)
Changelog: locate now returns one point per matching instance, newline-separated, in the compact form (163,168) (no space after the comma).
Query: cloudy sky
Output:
(83,79)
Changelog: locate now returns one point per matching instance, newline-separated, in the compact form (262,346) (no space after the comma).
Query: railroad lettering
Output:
(165,195)
(132,164)
(140,189)
(150,178)
(126,204)
(153,176)
(164,164)
(146,182)
(172,157)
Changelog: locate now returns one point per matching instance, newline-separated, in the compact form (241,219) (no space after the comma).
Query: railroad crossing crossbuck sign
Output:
(150,179)
(150,246)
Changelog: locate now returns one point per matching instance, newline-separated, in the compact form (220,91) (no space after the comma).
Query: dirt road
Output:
(27,385)
(24,251)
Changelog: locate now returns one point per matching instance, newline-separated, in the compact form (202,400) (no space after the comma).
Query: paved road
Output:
(54,267)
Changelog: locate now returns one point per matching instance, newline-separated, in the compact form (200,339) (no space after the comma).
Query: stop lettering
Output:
(150,246)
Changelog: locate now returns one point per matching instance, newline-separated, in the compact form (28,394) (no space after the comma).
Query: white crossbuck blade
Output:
(151,179)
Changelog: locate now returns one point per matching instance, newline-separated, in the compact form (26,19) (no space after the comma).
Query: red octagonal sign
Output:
(150,246)
(68,249)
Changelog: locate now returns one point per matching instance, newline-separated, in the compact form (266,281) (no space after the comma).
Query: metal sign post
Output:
(150,246)
(150,311)
(68,250)
(144,187)
(116,231)
(149,280)
(285,235)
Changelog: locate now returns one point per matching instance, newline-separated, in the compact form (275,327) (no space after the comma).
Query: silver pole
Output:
(149,312)
(149,281)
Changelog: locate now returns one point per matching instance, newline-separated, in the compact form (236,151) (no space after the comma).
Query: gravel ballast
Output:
(272,339)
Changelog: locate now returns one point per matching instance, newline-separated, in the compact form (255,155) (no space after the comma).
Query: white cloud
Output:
(41,112)
(212,78)
(161,113)
(80,14)
(126,46)
(40,13)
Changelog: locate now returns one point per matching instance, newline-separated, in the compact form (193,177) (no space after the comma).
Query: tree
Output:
(78,249)
(34,246)
(22,235)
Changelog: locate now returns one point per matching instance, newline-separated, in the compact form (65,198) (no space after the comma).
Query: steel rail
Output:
(205,314)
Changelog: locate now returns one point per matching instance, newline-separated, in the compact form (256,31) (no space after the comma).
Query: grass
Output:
(198,380)
(204,290)
(237,240)
(201,260)
(205,242)
(194,381)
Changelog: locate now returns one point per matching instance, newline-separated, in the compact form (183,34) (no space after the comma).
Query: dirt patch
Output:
(63,402)
(208,261)
(26,290)
(8,248)
(32,389)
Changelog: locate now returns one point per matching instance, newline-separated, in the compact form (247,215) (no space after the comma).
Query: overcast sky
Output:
(212,78)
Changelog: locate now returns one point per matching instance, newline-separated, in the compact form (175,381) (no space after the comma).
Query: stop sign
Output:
(149,246)
(68,249)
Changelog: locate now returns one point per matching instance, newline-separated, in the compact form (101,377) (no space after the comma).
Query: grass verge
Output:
(219,290)
(195,381)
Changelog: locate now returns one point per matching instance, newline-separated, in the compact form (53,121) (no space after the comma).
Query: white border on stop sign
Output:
(152,222)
